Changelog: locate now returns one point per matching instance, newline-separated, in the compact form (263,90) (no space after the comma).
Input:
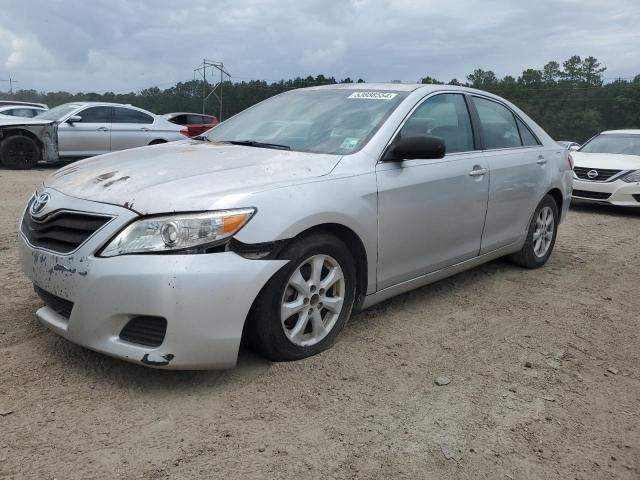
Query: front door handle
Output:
(478,172)
(144,129)
(103,129)
(541,160)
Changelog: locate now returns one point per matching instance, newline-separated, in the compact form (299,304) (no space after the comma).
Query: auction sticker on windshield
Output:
(373,95)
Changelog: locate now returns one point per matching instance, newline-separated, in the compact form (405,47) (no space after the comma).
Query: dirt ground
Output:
(527,353)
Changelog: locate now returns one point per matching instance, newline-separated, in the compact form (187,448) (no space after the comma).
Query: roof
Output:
(623,132)
(15,103)
(173,114)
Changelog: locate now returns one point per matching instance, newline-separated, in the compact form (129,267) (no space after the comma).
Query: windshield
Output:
(339,121)
(58,112)
(613,143)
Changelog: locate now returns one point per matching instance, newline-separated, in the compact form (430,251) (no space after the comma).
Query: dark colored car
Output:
(196,123)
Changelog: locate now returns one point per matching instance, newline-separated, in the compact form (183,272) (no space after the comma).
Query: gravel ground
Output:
(526,352)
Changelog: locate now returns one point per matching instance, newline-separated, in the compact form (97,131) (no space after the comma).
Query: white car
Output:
(22,109)
(607,169)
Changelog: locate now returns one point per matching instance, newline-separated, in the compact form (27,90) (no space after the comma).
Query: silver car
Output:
(91,128)
(284,219)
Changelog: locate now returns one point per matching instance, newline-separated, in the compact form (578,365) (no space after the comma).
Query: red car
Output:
(196,123)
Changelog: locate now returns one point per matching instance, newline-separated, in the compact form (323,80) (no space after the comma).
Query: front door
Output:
(431,212)
(87,137)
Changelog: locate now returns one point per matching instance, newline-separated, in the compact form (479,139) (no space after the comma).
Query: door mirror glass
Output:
(424,147)
(74,119)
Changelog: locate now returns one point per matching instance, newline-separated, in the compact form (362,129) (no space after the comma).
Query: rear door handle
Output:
(541,160)
(144,129)
(103,129)
(478,172)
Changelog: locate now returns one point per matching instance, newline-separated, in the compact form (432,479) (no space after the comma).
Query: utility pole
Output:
(11,81)
(216,91)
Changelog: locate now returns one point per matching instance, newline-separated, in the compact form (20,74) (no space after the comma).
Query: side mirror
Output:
(74,119)
(574,148)
(424,147)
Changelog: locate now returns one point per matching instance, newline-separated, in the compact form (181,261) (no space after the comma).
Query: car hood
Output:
(186,175)
(8,120)
(606,160)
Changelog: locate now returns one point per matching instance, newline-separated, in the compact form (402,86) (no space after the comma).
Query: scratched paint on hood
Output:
(187,175)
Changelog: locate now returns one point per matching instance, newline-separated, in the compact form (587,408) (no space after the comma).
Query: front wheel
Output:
(541,236)
(19,152)
(304,306)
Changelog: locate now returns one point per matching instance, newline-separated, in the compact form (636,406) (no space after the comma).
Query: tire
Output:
(533,253)
(300,335)
(19,152)
(157,142)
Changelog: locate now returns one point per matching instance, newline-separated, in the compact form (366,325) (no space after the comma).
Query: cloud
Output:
(119,45)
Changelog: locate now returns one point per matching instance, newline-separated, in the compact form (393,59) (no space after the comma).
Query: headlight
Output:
(178,232)
(632,177)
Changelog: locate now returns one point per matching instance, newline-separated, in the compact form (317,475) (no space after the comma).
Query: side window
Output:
(179,120)
(498,124)
(20,112)
(528,140)
(94,115)
(194,119)
(445,116)
(128,115)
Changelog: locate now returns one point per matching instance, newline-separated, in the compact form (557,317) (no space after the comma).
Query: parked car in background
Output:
(4,103)
(22,109)
(196,123)
(288,216)
(607,169)
(85,129)
(571,146)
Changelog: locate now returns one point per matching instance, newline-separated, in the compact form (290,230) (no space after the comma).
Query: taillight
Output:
(185,132)
(570,159)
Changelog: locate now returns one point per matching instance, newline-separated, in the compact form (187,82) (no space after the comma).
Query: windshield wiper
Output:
(253,143)
(202,138)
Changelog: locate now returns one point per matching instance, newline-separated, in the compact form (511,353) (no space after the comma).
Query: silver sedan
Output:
(284,219)
(91,128)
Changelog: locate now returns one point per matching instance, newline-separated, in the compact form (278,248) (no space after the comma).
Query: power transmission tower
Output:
(11,81)
(216,89)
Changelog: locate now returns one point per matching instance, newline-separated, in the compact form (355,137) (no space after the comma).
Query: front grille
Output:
(594,195)
(147,331)
(55,303)
(62,231)
(604,174)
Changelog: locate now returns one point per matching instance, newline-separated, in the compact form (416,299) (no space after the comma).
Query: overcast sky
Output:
(123,45)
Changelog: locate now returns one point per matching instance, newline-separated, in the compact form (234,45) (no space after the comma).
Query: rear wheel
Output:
(19,152)
(541,236)
(302,309)
(157,142)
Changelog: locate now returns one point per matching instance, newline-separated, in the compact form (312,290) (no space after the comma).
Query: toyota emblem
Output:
(592,174)
(39,203)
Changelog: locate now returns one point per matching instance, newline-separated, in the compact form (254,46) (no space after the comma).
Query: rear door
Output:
(431,212)
(89,136)
(130,128)
(519,170)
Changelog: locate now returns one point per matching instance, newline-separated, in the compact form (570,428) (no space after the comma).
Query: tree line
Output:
(571,101)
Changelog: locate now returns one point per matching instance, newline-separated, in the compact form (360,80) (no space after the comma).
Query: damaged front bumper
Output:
(205,298)
(47,134)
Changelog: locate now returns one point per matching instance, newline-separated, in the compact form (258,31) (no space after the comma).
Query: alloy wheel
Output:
(312,301)
(543,233)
